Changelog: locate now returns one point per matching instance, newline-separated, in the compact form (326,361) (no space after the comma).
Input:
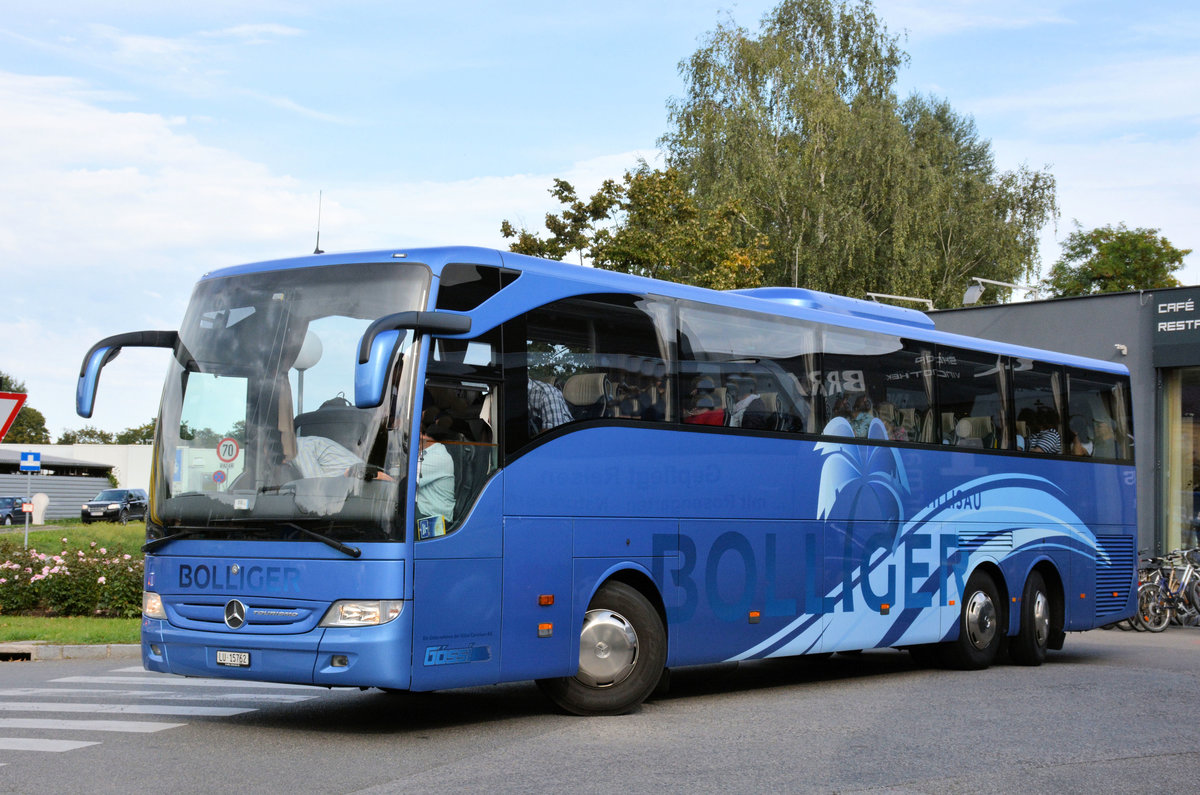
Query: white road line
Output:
(278,698)
(130,726)
(125,709)
(29,744)
(143,681)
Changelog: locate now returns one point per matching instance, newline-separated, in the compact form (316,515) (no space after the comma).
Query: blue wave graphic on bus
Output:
(1005,513)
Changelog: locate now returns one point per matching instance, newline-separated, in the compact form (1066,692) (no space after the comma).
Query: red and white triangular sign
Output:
(10,405)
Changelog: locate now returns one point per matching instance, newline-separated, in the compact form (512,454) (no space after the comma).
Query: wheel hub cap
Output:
(608,649)
(980,620)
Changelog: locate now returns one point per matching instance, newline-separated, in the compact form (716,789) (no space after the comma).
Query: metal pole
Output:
(28,482)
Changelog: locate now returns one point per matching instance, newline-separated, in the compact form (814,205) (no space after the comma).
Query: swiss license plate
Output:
(234,659)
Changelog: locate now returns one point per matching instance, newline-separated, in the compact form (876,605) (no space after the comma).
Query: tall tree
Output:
(29,426)
(649,225)
(137,434)
(570,230)
(88,434)
(1111,259)
(800,127)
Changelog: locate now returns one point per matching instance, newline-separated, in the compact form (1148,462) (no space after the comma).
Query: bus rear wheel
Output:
(622,651)
(1033,638)
(980,628)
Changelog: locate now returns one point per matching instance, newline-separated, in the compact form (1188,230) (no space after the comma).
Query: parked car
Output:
(10,510)
(115,505)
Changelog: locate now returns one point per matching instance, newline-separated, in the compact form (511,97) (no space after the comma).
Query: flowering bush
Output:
(71,583)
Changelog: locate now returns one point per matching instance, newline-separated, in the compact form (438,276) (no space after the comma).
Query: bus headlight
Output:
(362,612)
(152,606)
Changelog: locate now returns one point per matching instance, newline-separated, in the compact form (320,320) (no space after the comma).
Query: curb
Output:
(38,650)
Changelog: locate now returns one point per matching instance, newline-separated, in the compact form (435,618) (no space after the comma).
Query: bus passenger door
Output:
(457,573)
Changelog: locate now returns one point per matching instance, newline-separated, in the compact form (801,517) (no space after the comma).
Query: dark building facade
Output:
(1156,334)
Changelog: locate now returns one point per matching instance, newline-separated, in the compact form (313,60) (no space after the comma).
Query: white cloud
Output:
(108,218)
(932,18)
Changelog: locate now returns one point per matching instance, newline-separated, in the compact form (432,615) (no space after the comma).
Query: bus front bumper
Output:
(377,656)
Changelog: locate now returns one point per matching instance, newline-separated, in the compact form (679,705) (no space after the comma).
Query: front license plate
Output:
(234,659)
(97,513)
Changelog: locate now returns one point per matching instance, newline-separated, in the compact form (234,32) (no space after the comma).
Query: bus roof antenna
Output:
(317,250)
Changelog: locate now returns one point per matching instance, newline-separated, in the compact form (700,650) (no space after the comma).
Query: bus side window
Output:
(600,357)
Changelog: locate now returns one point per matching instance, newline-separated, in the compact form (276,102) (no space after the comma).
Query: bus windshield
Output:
(258,436)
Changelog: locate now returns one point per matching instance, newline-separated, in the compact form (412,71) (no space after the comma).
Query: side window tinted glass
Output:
(745,370)
(972,399)
(875,386)
(1098,421)
(587,358)
(1038,399)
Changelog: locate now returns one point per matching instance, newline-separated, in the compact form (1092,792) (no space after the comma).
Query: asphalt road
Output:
(1112,712)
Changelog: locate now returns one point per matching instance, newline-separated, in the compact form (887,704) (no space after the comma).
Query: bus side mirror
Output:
(104,352)
(378,346)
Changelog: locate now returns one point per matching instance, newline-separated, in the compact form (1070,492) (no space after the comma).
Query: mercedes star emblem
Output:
(235,614)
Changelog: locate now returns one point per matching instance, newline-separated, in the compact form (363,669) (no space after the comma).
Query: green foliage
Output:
(88,434)
(569,230)
(1114,259)
(654,227)
(140,434)
(799,128)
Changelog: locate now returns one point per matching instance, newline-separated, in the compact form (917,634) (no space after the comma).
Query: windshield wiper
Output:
(155,543)
(353,552)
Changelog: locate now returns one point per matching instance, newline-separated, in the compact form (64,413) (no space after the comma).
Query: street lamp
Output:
(975,291)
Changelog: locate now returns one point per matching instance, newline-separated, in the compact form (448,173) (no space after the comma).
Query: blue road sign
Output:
(31,462)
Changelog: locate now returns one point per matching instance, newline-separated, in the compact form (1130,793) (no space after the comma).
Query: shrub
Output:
(82,582)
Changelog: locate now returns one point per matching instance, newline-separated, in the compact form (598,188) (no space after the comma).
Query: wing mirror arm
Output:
(104,352)
(378,347)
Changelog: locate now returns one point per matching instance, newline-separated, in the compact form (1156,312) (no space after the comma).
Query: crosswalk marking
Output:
(30,744)
(276,698)
(173,681)
(131,726)
(123,709)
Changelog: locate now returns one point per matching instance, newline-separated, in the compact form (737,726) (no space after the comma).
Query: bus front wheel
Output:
(622,651)
(980,626)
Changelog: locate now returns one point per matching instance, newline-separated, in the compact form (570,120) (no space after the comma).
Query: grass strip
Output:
(70,630)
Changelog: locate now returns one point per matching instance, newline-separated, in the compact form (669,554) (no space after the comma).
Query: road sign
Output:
(31,462)
(10,406)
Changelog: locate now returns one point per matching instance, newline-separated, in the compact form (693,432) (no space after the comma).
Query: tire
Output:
(622,652)
(1032,640)
(8,519)
(123,516)
(1153,614)
(980,627)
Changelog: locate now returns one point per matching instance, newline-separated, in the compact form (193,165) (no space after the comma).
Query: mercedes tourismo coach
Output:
(432,468)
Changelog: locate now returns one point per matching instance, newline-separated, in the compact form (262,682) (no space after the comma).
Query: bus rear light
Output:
(884,609)
(546,599)
(545,630)
(755,616)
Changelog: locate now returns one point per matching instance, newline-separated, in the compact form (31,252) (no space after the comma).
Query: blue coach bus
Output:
(444,467)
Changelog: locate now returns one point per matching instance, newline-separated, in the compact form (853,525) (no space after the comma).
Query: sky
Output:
(143,144)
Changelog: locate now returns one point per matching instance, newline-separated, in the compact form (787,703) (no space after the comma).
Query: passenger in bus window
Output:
(1047,439)
(435,475)
(863,414)
(547,406)
(1080,436)
(749,410)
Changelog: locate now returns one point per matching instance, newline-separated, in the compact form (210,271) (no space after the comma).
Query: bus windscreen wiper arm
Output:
(353,552)
(155,543)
